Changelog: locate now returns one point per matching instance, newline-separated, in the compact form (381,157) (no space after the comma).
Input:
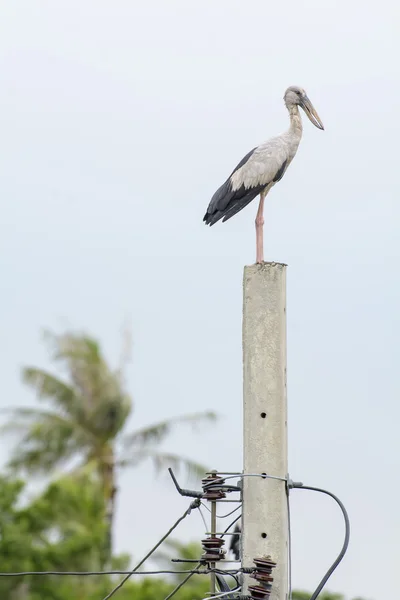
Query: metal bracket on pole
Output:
(182,491)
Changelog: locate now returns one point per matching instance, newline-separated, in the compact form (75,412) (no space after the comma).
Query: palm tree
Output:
(85,422)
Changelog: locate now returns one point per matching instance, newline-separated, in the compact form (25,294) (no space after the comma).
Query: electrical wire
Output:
(224,587)
(194,504)
(222,516)
(203,518)
(345,546)
(230,525)
(223,594)
(178,587)
(89,573)
(228,574)
(216,571)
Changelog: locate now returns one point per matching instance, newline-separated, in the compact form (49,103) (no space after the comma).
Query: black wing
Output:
(223,195)
(225,203)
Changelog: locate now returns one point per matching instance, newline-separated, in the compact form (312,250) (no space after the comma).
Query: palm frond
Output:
(155,434)
(82,359)
(23,418)
(162,460)
(25,413)
(49,387)
(48,439)
(98,384)
(96,393)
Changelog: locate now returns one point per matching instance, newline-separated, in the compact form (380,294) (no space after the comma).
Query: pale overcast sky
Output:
(119,120)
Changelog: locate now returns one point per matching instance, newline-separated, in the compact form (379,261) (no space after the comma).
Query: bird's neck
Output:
(296,125)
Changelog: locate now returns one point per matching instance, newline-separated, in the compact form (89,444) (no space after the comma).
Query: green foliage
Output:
(14,536)
(299,595)
(63,529)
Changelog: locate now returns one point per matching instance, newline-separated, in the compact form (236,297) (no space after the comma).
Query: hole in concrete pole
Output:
(263,535)
(263,415)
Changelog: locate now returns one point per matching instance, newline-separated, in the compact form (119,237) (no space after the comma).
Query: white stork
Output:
(261,168)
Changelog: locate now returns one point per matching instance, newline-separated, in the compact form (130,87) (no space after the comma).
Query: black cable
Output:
(224,587)
(346,537)
(222,516)
(89,573)
(194,504)
(218,573)
(229,526)
(226,573)
(178,587)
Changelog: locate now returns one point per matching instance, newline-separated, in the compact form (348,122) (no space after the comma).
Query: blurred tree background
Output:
(79,432)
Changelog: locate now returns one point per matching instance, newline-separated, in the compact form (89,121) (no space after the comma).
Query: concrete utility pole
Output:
(264,521)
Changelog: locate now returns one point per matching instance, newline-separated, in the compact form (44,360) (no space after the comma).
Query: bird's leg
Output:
(260,230)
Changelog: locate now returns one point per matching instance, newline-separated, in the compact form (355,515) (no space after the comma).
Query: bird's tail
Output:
(238,201)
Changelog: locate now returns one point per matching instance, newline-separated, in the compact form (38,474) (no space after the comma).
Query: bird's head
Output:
(295,95)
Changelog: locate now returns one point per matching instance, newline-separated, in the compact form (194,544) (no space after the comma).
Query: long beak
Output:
(311,112)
